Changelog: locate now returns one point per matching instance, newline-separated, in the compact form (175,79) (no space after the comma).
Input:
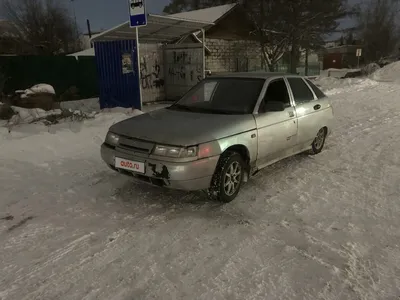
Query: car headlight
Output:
(112,138)
(178,152)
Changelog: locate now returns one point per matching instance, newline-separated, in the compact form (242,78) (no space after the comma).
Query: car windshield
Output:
(222,96)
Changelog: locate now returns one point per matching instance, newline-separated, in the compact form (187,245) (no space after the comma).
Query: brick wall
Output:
(233,56)
(226,56)
(152,72)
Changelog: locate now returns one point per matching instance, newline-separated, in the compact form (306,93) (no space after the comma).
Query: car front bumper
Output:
(188,176)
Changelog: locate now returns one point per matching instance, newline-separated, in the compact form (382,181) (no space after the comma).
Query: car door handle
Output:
(316,107)
(291,114)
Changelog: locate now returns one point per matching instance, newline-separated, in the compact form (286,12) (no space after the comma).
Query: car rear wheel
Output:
(228,177)
(319,142)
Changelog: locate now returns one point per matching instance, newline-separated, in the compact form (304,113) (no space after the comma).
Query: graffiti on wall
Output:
(150,73)
(182,57)
(185,74)
(185,68)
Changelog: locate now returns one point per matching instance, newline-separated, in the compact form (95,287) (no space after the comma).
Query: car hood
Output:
(181,128)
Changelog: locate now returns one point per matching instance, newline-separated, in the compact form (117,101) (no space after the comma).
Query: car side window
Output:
(301,92)
(316,90)
(276,91)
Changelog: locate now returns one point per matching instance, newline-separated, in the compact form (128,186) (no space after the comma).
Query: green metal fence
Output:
(256,65)
(71,78)
(314,69)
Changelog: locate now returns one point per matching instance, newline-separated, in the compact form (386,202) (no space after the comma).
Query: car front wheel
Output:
(228,177)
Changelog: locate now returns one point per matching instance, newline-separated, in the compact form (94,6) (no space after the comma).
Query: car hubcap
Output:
(232,179)
(319,140)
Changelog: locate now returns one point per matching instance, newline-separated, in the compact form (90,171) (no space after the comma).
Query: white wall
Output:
(152,72)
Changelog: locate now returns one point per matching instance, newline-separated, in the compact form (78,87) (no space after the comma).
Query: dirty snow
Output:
(323,227)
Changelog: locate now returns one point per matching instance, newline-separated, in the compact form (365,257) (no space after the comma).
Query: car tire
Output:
(225,185)
(319,142)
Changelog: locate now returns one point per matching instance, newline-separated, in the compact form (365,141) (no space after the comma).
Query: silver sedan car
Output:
(222,131)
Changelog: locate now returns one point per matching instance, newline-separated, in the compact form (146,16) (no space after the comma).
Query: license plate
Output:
(130,165)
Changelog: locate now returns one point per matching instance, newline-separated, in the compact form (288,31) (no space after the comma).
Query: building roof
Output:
(211,14)
(159,29)
(86,52)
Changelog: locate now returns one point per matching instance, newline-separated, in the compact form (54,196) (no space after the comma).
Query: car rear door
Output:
(277,130)
(312,112)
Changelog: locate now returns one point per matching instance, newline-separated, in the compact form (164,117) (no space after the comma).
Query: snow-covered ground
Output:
(323,227)
(90,105)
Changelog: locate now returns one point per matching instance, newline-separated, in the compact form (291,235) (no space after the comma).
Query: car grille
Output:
(135,145)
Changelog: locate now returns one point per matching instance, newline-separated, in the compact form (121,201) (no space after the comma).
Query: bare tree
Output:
(270,29)
(280,26)
(41,27)
(265,19)
(292,25)
(378,28)
(310,21)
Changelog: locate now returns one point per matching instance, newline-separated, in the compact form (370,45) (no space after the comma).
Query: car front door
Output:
(311,111)
(277,130)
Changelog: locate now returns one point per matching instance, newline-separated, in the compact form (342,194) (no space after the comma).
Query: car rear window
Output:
(301,91)
(316,90)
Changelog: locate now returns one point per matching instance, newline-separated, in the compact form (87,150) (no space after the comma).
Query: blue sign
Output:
(137,9)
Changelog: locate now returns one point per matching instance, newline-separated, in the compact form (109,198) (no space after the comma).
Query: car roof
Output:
(258,74)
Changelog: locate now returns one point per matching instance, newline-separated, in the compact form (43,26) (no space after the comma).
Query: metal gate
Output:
(118,74)
(183,67)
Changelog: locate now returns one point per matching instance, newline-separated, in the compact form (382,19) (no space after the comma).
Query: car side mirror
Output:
(274,106)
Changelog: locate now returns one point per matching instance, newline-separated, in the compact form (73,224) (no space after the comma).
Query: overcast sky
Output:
(108,13)
(105,14)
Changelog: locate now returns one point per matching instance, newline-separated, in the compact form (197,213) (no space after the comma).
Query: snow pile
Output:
(76,122)
(332,86)
(122,110)
(93,104)
(25,115)
(389,73)
(41,88)
(86,105)
(60,116)
(369,69)
(71,111)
